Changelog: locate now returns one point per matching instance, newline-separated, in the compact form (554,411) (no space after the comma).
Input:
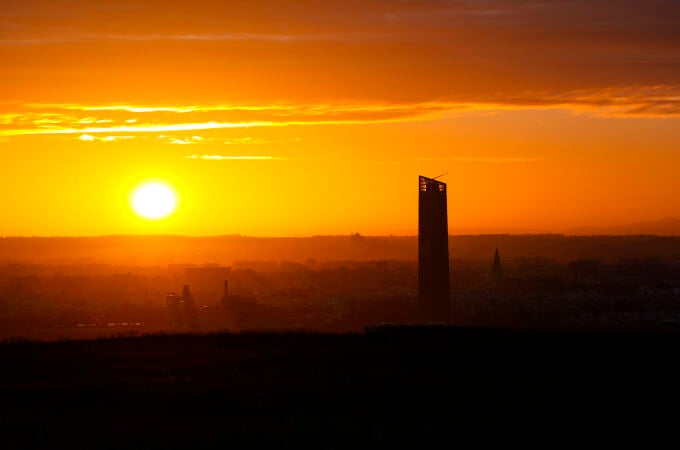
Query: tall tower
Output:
(433,249)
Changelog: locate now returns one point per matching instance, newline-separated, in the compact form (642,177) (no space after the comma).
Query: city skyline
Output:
(267,120)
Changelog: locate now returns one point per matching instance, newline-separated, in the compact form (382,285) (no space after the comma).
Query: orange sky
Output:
(316,118)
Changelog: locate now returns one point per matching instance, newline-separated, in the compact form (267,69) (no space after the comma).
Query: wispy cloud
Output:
(183,127)
(66,120)
(94,120)
(235,157)
(631,101)
(494,159)
(193,37)
(484,159)
(90,138)
(186,141)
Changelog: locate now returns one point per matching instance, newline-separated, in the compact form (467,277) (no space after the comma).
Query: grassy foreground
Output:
(418,386)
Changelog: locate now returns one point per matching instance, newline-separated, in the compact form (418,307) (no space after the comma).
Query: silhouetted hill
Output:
(410,386)
(670,226)
(163,250)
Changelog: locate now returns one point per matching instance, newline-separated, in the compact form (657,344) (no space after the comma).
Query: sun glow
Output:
(154,200)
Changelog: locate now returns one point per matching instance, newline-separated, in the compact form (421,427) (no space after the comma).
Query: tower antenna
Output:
(439,176)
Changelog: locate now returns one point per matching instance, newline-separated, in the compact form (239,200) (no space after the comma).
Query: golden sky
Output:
(316,117)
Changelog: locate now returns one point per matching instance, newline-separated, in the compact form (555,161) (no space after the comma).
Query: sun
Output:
(154,200)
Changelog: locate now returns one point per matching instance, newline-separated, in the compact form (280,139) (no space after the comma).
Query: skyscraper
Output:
(433,249)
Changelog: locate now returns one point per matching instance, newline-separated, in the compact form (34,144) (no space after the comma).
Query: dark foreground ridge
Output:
(409,385)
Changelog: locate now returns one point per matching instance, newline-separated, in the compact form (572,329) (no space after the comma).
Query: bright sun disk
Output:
(154,200)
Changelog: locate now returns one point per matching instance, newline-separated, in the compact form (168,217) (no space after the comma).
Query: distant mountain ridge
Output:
(669,226)
(494,230)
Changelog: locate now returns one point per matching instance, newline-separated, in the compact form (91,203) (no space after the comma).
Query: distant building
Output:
(181,311)
(74,318)
(173,309)
(433,249)
(236,301)
(242,310)
(584,271)
(206,283)
(496,270)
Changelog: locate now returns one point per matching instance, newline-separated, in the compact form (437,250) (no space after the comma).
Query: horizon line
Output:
(350,235)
